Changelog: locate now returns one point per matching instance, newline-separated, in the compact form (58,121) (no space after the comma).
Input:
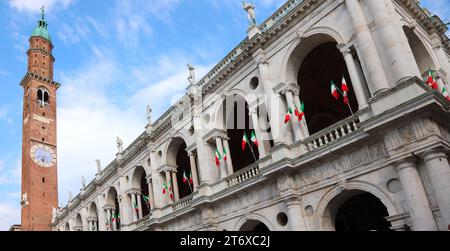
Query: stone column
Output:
(357,83)
(133,204)
(255,119)
(391,40)
(194,170)
(168,179)
(115,220)
(419,207)
(151,194)
(303,124)
(441,55)
(296,219)
(375,72)
(139,201)
(439,171)
(108,217)
(219,145)
(175,185)
(230,169)
(296,126)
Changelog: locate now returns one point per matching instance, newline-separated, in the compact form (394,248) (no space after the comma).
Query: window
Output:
(43,96)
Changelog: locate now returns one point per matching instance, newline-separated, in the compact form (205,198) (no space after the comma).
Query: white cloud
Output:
(9,215)
(33,6)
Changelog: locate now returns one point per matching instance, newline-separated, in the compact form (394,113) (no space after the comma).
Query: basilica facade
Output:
(261,144)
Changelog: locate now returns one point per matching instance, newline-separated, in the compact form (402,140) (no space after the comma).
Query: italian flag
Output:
(191,180)
(432,81)
(254,139)
(345,90)
(218,158)
(118,218)
(288,116)
(135,207)
(185,178)
(445,93)
(225,154)
(244,142)
(300,113)
(146,200)
(334,90)
(168,188)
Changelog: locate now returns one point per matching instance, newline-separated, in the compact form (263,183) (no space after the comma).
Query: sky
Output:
(113,58)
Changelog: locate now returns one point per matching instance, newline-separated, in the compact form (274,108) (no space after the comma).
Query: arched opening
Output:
(178,156)
(113,200)
(423,59)
(78,223)
(237,122)
(356,210)
(43,96)
(67,227)
(323,64)
(254,226)
(139,182)
(93,215)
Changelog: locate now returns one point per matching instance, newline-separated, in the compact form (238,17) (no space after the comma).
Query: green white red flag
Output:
(432,80)
(334,90)
(300,113)
(225,154)
(445,93)
(345,90)
(254,139)
(288,116)
(191,180)
(146,200)
(218,158)
(185,178)
(244,142)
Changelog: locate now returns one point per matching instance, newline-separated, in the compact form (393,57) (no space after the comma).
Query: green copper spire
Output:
(41,29)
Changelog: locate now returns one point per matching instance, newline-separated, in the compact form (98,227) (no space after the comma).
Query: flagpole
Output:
(351,110)
(251,148)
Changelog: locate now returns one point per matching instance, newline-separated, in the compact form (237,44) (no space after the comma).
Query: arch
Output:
(422,54)
(139,182)
(290,66)
(67,227)
(78,223)
(322,218)
(233,117)
(313,64)
(249,222)
(43,95)
(112,200)
(93,210)
(177,156)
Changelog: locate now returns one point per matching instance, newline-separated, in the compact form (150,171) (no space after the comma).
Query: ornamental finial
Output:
(43,12)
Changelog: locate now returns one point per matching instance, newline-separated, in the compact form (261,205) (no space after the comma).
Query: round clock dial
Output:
(44,156)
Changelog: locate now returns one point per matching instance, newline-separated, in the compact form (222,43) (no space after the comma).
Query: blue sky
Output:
(113,58)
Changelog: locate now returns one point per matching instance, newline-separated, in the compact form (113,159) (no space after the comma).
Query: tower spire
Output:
(43,12)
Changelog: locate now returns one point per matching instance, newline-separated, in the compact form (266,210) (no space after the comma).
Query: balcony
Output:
(332,134)
(183,203)
(243,175)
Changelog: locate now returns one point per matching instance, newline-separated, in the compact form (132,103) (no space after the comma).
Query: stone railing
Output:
(332,134)
(243,175)
(183,203)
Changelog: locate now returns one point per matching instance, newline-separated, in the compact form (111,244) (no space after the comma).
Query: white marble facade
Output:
(395,147)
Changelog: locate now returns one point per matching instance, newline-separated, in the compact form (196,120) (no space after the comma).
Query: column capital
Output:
(435,153)
(260,57)
(407,162)
(293,200)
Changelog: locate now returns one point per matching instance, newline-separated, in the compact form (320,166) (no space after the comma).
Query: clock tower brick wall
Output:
(39,180)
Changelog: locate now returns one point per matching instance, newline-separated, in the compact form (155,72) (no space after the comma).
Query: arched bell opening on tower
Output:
(43,97)
(242,141)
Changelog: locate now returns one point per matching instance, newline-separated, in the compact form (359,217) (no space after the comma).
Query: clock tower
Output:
(39,162)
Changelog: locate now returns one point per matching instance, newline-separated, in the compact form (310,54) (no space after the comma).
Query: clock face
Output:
(44,156)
